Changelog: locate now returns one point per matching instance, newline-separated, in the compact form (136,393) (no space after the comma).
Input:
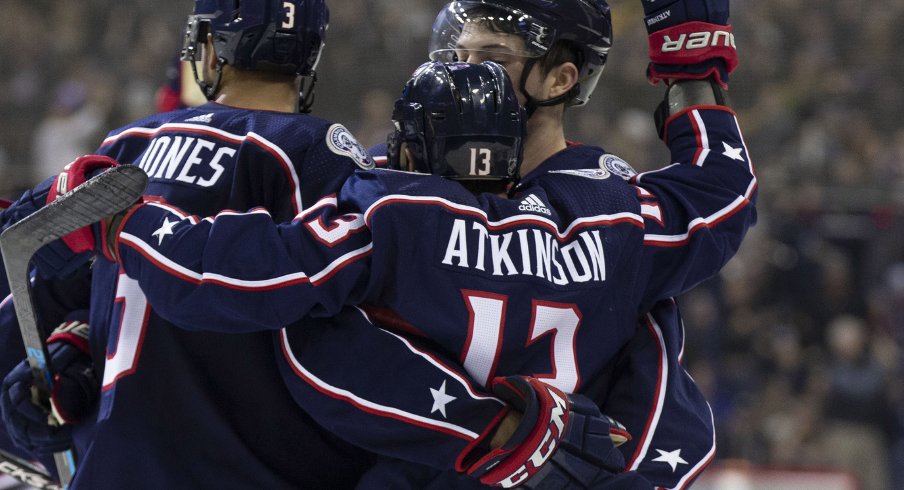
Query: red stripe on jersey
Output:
(655,407)
(326,390)
(174,128)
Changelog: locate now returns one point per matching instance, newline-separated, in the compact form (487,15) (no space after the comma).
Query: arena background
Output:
(798,344)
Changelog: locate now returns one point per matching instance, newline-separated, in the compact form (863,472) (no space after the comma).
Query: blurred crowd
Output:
(797,344)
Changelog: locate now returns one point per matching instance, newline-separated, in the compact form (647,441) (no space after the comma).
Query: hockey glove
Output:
(562,440)
(689,39)
(75,392)
(60,258)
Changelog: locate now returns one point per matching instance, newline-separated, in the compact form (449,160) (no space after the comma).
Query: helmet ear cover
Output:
(408,118)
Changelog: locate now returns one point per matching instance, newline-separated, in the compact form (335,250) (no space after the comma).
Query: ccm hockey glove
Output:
(46,430)
(561,442)
(60,258)
(689,39)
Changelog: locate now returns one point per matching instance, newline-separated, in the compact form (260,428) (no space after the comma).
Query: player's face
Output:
(477,44)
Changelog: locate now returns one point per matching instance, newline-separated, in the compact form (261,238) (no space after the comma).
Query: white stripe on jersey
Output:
(367,404)
(660,396)
(235,138)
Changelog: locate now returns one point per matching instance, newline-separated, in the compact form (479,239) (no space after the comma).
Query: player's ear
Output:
(562,78)
(211,53)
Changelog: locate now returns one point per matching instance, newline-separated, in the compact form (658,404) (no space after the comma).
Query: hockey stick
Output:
(102,196)
(26,472)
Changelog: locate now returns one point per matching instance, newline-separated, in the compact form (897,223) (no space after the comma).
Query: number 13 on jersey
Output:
(486,326)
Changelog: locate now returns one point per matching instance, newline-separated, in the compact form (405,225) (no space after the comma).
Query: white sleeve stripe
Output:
(704,138)
(452,374)
(367,405)
(326,201)
(696,223)
(704,462)
(165,264)
(660,396)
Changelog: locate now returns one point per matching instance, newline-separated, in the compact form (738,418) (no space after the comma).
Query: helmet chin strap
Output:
(209,89)
(306,93)
(531,104)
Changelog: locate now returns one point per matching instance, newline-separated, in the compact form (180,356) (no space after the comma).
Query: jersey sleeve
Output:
(195,276)
(698,209)
(385,392)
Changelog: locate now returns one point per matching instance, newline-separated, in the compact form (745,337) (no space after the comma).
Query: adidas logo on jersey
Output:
(205,118)
(532,203)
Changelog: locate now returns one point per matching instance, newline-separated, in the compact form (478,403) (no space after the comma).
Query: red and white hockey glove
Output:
(562,441)
(689,39)
(60,257)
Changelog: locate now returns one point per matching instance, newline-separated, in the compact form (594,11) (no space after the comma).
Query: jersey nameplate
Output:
(526,252)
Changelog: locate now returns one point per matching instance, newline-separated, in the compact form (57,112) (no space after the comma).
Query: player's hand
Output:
(562,441)
(61,257)
(689,39)
(75,392)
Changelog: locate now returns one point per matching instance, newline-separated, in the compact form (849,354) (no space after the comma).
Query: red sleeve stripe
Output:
(655,414)
(174,269)
(367,405)
(696,224)
(429,357)
(702,138)
(646,437)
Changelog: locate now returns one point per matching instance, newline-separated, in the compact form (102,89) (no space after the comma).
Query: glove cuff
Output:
(74,333)
(545,420)
(73,175)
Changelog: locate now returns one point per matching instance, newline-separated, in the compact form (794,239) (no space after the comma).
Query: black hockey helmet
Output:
(585,24)
(460,121)
(268,35)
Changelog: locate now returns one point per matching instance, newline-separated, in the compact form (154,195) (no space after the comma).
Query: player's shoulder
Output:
(583,166)
(385,187)
(585,180)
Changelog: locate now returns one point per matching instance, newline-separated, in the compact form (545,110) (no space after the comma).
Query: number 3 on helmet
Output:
(267,35)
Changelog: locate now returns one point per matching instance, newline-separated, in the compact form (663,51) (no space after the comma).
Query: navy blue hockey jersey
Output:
(549,283)
(182,409)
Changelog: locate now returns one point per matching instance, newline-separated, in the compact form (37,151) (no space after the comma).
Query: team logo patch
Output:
(590,173)
(341,142)
(617,166)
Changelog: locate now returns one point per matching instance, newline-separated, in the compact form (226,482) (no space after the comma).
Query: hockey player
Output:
(684,222)
(583,416)
(186,410)
(679,458)
(652,395)
(674,436)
